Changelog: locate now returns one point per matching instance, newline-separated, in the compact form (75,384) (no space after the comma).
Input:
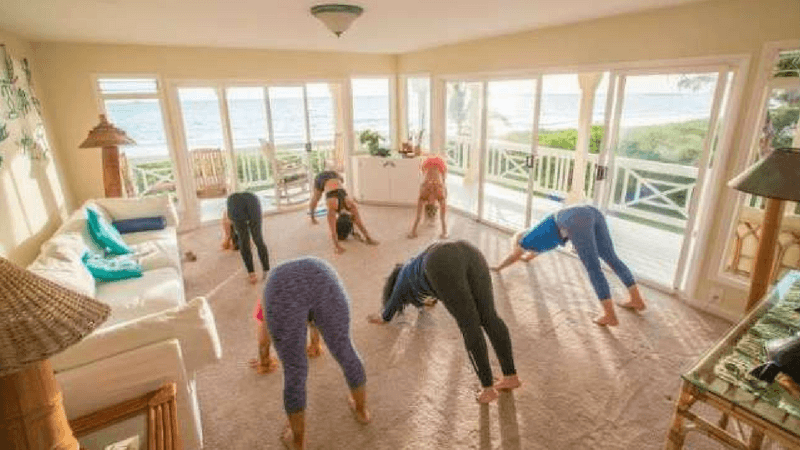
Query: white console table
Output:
(386,181)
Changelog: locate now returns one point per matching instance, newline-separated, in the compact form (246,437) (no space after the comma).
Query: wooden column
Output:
(762,266)
(31,411)
(111,175)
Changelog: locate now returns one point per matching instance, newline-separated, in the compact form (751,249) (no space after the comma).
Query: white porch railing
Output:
(645,189)
(154,174)
(253,169)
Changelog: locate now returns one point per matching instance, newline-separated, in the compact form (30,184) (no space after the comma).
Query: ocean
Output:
(141,119)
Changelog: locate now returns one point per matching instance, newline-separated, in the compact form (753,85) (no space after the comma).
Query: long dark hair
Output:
(344,226)
(388,287)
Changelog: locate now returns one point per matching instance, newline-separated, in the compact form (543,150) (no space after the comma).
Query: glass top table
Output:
(721,376)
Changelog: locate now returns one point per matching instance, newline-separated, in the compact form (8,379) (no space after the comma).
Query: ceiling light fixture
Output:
(337,17)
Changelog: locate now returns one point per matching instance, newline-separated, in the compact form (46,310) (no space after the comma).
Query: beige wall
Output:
(725,27)
(33,198)
(68,82)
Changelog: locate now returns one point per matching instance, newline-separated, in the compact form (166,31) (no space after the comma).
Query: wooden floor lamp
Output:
(38,319)
(776,178)
(109,137)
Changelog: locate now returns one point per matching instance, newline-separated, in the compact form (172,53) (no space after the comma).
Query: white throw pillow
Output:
(68,246)
(69,274)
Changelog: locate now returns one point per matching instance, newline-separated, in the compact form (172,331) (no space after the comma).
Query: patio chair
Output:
(291,175)
(210,175)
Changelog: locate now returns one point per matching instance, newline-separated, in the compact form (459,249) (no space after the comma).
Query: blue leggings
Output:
(294,289)
(587,229)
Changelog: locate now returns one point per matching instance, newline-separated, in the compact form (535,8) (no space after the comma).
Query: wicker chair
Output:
(210,174)
(291,175)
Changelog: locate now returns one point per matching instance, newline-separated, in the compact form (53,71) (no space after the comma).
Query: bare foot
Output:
(376,319)
(314,351)
(287,437)
(443,236)
(487,395)
(411,235)
(607,321)
(635,305)
(362,417)
(253,278)
(339,250)
(261,369)
(508,383)
(371,241)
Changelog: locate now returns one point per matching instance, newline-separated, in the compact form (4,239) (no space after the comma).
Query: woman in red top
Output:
(432,190)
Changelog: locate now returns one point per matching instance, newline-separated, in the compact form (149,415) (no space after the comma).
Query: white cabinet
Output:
(386,180)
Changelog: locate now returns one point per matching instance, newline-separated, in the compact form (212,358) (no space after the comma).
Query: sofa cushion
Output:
(192,324)
(155,249)
(155,291)
(67,273)
(131,208)
(105,235)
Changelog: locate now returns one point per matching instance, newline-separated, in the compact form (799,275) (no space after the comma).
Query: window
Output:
(418,112)
(778,127)
(134,105)
(371,105)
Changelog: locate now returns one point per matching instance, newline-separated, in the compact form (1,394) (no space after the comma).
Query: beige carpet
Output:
(584,386)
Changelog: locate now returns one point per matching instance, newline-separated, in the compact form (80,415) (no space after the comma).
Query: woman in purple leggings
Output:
(294,289)
(586,227)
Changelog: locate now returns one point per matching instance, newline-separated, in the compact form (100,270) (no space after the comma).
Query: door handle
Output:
(601,172)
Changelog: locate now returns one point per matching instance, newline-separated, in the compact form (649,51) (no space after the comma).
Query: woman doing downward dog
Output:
(342,210)
(294,289)
(432,191)
(586,227)
(456,273)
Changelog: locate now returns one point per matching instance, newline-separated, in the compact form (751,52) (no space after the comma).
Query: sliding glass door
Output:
(206,149)
(463,142)
(236,137)
(509,143)
(658,158)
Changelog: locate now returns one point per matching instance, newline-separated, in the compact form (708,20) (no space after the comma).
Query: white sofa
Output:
(152,336)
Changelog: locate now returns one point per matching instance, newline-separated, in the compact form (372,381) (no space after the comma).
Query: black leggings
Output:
(244,210)
(459,276)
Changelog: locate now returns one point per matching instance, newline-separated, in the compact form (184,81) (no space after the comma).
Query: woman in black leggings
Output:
(456,273)
(244,210)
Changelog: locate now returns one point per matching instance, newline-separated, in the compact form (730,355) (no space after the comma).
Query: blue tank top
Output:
(411,286)
(543,237)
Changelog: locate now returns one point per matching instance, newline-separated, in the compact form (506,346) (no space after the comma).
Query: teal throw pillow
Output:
(105,235)
(112,268)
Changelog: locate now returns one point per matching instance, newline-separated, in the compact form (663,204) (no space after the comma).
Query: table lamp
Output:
(38,319)
(776,178)
(107,136)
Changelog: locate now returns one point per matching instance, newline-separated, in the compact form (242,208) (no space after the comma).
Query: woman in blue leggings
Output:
(586,227)
(294,289)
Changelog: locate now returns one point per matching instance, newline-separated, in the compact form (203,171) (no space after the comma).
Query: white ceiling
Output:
(387,26)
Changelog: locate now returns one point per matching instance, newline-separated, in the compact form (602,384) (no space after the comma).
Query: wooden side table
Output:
(718,381)
(161,419)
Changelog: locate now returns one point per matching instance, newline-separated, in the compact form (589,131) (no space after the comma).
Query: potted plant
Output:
(372,140)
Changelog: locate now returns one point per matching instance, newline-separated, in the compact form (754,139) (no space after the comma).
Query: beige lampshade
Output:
(105,134)
(39,318)
(776,176)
